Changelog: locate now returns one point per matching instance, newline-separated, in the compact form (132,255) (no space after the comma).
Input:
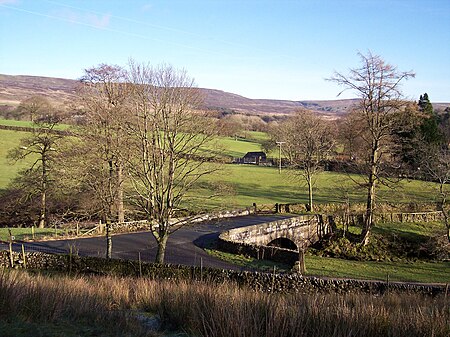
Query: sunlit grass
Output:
(427,272)
(248,184)
(9,168)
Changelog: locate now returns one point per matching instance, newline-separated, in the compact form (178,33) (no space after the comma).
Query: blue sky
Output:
(256,48)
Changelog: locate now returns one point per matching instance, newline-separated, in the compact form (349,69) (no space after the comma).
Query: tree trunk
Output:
(42,214)
(120,208)
(310,194)
(370,206)
(162,243)
(108,239)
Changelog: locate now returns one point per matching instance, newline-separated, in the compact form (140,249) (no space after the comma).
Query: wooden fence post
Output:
(24,257)
(11,258)
(140,264)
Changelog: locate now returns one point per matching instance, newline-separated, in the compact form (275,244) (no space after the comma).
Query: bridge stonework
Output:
(302,230)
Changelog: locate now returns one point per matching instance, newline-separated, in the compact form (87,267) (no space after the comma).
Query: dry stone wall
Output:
(143,225)
(266,282)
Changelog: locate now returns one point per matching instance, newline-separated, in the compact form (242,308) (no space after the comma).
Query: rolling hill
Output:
(14,89)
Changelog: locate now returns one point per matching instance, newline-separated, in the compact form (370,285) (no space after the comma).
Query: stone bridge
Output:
(293,233)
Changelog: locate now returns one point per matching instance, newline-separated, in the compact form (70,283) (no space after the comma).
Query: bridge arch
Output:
(283,242)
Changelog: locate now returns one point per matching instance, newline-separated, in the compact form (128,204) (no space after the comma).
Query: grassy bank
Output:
(107,306)
(402,271)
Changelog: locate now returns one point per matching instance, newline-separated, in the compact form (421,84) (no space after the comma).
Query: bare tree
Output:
(41,145)
(435,164)
(103,96)
(377,84)
(34,107)
(307,143)
(169,133)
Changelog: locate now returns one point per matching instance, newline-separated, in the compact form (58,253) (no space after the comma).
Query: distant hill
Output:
(14,89)
(224,100)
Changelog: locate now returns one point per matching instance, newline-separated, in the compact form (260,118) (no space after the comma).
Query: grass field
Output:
(29,124)
(246,184)
(419,271)
(8,169)
(242,185)
(227,146)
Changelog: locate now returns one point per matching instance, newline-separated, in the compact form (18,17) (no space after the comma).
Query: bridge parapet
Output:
(302,230)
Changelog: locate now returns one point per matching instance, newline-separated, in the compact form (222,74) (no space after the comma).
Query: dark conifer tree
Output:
(429,128)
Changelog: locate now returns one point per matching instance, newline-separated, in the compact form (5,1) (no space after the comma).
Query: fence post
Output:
(70,258)
(24,257)
(78,229)
(108,240)
(201,269)
(11,258)
(387,282)
(140,264)
(32,232)
(273,279)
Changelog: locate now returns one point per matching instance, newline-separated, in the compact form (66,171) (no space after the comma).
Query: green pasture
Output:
(29,124)
(243,185)
(228,146)
(418,271)
(9,168)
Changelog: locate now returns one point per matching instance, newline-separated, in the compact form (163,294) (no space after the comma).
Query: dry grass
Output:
(209,310)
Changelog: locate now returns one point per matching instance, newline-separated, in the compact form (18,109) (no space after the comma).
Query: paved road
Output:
(183,247)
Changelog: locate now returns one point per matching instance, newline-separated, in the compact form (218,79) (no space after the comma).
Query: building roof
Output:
(255,154)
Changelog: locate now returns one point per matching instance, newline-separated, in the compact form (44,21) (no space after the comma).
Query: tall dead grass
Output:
(226,310)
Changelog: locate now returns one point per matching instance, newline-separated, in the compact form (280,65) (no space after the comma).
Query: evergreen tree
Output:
(429,128)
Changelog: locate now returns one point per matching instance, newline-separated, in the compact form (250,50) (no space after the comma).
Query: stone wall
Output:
(266,282)
(253,240)
(143,225)
(32,129)
(336,208)
(304,228)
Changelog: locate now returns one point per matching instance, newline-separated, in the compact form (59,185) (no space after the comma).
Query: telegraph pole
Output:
(279,156)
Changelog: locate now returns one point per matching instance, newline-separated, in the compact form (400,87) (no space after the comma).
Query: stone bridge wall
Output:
(253,240)
(302,230)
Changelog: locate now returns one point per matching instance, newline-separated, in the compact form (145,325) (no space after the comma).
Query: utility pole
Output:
(279,156)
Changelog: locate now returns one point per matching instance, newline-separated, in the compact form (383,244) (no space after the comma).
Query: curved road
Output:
(183,247)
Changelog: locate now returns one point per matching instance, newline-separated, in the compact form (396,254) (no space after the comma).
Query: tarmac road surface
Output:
(185,246)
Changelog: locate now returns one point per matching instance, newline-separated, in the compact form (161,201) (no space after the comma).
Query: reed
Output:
(203,309)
